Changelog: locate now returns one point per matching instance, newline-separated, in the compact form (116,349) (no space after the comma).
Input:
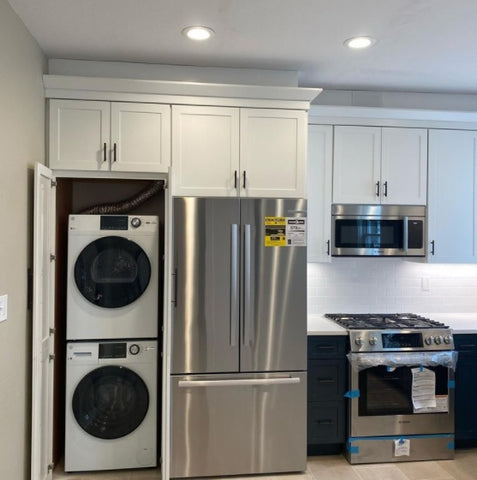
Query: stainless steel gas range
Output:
(401,388)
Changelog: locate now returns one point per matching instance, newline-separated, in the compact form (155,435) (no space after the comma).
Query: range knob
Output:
(438,339)
(136,222)
(428,340)
(358,341)
(134,349)
(447,339)
(372,340)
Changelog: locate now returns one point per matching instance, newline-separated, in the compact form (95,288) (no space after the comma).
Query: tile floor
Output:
(333,467)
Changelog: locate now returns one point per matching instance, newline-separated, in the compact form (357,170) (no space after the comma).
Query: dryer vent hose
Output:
(127,205)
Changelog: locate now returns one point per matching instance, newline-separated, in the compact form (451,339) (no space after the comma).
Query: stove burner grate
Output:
(383,321)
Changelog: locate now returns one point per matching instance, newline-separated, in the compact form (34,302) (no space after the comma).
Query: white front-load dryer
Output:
(112,289)
(111,405)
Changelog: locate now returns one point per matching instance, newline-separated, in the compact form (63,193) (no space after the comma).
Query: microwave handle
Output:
(405,234)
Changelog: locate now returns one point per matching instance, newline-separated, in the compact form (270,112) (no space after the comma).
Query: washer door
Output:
(110,402)
(112,272)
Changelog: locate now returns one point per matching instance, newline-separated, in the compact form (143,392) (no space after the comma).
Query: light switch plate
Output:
(3,307)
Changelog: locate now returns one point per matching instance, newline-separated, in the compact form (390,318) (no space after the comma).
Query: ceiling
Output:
(422,45)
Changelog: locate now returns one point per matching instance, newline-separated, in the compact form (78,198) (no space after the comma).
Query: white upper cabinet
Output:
(205,150)
(404,166)
(320,148)
(221,151)
(273,152)
(356,164)
(374,165)
(105,136)
(452,203)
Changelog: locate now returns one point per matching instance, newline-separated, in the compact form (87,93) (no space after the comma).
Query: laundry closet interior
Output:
(122,201)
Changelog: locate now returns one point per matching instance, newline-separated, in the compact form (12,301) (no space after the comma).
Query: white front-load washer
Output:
(112,289)
(111,405)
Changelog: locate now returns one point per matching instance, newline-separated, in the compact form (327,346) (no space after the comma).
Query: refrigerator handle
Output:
(234,285)
(239,382)
(247,317)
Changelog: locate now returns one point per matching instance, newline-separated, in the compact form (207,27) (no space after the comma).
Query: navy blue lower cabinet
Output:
(466,391)
(327,377)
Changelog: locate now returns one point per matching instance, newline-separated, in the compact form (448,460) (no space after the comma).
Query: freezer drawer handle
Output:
(240,382)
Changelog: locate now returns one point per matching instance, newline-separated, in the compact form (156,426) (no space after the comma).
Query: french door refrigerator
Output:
(239,337)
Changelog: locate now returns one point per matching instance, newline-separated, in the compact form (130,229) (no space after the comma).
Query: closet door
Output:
(43,323)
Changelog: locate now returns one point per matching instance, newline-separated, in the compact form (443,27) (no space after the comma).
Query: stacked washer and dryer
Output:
(112,347)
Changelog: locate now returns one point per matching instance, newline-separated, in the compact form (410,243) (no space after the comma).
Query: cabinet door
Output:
(404,166)
(273,153)
(140,137)
(356,165)
(79,135)
(320,147)
(205,151)
(452,199)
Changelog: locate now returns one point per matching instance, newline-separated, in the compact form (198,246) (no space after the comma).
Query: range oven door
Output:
(382,398)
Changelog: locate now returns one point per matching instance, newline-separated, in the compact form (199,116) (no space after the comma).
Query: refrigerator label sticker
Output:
(275,232)
(285,232)
(296,232)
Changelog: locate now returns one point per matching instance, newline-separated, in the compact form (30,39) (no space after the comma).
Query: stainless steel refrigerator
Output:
(239,337)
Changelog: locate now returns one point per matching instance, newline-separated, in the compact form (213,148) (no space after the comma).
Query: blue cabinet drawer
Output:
(326,346)
(326,379)
(325,423)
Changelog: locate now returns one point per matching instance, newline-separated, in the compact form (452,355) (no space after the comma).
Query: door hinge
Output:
(54,183)
(52,331)
(51,357)
(51,466)
(52,257)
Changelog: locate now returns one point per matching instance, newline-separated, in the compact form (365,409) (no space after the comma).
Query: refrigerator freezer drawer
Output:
(238,424)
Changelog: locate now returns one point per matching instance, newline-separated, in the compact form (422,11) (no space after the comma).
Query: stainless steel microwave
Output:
(378,230)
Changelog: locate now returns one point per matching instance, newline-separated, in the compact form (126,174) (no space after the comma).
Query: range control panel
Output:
(401,340)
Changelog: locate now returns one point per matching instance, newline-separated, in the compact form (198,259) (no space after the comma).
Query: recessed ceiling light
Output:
(359,42)
(198,32)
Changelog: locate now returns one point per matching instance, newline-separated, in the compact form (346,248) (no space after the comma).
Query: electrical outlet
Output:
(425,284)
(3,307)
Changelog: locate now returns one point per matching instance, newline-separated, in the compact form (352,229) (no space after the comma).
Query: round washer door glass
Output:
(110,402)
(112,272)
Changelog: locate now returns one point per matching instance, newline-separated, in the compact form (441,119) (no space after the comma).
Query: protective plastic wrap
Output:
(361,361)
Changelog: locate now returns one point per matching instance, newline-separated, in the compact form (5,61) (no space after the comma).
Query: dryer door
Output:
(112,272)
(110,402)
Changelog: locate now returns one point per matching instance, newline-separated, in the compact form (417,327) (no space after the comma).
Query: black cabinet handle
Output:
(324,422)
(327,247)
(377,188)
(104,151)
(432,247)
(466,346)
(386,189)
(235,179)
(326,380)
(325,347)
(244,179)
(114,153)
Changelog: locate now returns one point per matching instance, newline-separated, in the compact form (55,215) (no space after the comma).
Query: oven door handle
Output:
(405,234)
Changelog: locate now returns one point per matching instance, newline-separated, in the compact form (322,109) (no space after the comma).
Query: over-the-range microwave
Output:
(378,230)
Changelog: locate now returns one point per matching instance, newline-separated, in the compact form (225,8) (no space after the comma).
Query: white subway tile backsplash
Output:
(391,285)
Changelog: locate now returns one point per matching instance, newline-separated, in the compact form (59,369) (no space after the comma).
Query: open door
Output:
(43,324)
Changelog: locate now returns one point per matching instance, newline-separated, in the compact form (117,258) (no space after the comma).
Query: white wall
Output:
(354,285)
(21,145)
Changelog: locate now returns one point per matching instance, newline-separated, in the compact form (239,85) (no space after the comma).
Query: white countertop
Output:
(319,325)
(458,322)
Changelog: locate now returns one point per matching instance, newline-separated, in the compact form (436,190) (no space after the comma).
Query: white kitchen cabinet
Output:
(452,203)
(380,165)
(109,136)
(221,151)
(320,148)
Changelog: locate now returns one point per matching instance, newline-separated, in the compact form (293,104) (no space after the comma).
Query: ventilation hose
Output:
(128,204)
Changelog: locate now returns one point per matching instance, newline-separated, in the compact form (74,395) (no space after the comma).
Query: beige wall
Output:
(22,144)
